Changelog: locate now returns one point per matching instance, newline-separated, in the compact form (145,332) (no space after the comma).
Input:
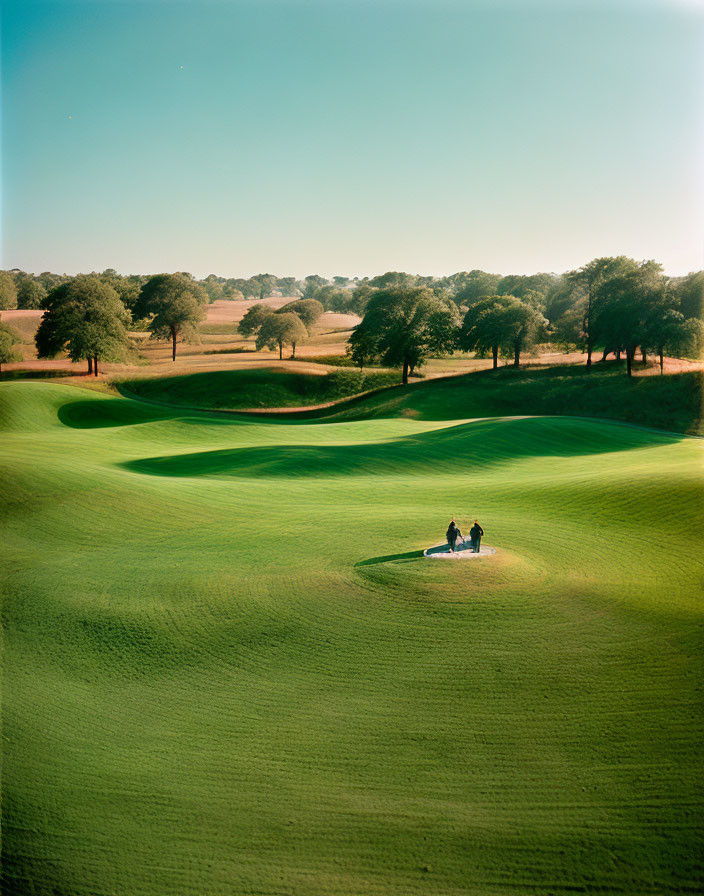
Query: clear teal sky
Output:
(351,137)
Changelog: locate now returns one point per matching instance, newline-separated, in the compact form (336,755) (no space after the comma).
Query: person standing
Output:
(452,534)
(475,534)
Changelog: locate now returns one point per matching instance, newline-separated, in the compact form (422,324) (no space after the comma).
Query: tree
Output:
(523,325)
(309,310)
(313,282)
(281,329)
(253,319)
(667,330)
(519,285)
(403,326)
(362,347)
(173,304)
(626,308)
(30,293)
(393,280)
(585,283)
(288,286)
(8,291)
(340,282)
(85,317)
(483,330)
(213,286)
(475,285)
(7,350)
(690,294)
(266,283)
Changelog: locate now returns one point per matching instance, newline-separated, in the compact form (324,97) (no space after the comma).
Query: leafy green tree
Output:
(519,285)
(690,294)
(85,317)
(236,288)
(288,286)
(279,330)
(360,297)
(667,331)
(484,327)
(309,310)
(523,326)
(173,304)
(626,308)
(266,283)
(30,293)
(340,282)
(363,347)
(8,352)
(213,286)
(393,280)
(253,319)
(50,281)
(8,291)
(405,326)
(313,283)
(474,285)
(585,283)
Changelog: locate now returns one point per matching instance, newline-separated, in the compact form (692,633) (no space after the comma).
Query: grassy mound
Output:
(224,676)
(257,388)
(673,402)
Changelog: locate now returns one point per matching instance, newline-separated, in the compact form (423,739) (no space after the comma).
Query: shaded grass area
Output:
(672,402)
(222,676)
(260,388)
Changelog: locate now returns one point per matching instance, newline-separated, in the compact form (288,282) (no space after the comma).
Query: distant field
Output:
(227,669)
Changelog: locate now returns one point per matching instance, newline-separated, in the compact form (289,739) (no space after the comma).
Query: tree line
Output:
(614,305)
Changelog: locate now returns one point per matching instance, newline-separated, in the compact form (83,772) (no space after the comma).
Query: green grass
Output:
(254,388)
(227,670)
(673,402)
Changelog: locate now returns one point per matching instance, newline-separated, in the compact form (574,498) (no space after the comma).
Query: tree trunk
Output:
(173,343)
(630,353)
(281,351)
(644,354)
(293,353)
(662,361)
(589,354)
(618,354)
(516,355)
(95,365)
(495,355)
(90,366)
(604,356)
(404,375)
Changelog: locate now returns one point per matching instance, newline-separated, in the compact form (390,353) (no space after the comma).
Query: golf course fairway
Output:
(229,670)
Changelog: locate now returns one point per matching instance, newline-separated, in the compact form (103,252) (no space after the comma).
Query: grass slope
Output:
(224,676)
(673,402)
(254,388)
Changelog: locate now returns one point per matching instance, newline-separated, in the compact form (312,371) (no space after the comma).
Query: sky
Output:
(351,137)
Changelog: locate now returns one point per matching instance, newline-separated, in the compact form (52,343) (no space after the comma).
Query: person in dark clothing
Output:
(452,534)
(475,534)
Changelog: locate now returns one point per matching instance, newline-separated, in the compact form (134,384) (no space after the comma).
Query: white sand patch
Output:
(463,551)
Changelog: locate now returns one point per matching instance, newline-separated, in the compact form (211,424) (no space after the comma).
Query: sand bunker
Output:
(463,551)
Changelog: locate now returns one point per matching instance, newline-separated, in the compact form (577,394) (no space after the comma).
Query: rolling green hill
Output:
(254,388)
(227,670)
(673,402)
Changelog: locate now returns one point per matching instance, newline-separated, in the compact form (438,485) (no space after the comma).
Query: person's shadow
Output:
(409,555)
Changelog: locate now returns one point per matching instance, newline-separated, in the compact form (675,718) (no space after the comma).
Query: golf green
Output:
(228,669)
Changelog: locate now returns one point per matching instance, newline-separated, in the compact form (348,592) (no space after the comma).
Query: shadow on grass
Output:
(387,558)
(466,447)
